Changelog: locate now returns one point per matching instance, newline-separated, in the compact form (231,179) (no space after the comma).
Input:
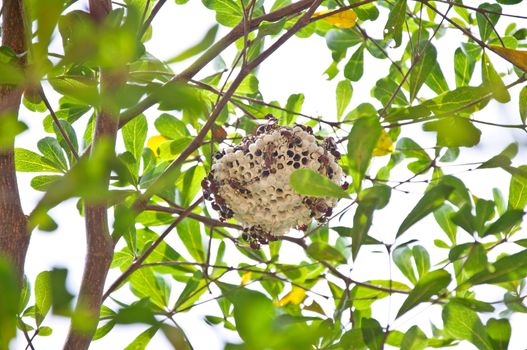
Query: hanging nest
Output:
(250,181)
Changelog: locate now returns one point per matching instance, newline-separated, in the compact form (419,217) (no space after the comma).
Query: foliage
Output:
(270,300)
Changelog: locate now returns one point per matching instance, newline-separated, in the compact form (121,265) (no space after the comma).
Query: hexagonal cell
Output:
(250,181)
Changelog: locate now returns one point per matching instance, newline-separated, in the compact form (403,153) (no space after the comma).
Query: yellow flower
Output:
(155,141)
(384,145)
(344,19)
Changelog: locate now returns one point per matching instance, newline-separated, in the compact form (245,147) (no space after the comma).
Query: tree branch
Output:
(99,241)
(14,238)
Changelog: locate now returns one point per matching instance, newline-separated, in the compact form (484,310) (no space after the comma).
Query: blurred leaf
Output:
(8,304)
(194,288)
(343,95)
(428,285)
(176,337)
(362,140)
(189,232)
(204,44)
(431,200)
(462,323)
(171,127)
(454,132)
(443,217)
(308,182)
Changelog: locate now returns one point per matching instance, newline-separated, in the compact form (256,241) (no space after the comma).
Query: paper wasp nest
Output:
(250,181)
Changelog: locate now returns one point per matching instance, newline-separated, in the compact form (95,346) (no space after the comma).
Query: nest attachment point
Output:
(250,181)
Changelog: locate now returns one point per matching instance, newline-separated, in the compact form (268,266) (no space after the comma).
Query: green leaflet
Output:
(427,286)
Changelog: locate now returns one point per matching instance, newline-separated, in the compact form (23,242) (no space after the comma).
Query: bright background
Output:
(296,67)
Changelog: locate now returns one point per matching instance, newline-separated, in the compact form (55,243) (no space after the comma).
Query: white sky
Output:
(295,67)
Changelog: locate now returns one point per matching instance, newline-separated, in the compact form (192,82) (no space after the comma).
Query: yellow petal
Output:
(384,145)
(155,141)
(516,57)
(295,296)
(344,19)
(246,278)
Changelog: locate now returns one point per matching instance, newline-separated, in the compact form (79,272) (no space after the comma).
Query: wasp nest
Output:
(250,181)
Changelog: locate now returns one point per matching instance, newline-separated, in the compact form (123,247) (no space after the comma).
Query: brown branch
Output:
(150,18)
(99,242)
(14,238)
(236,33)
(203,219)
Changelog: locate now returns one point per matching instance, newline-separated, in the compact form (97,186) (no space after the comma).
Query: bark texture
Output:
(99,242)
(14,238)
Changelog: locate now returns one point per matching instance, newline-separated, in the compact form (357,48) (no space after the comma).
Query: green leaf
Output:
(432,200)
(323,251)
(28,161)
(293,106)
(228,12)
(402,257)
(436,80)
(463,67)
(493,81)
(394,25)
(340,40)
(9,303)
(385,88)
(454,132)
(145,284)
(505,222)
(499,332)
(523,104)
(171,127)
(193,290)
(142,340)
(462,323)
(253,313)
(487,20)
(355,66)
(423,67)
(443,218)
(414,339)
(52,151)
(430,284)
(189,232)
(176,337)
(362,140)
(508,268)
(518,190)
(43,296)
(310,183)
(376,197)
(134,136)
(204,44)
(343,95)
(372,333)
(80,89)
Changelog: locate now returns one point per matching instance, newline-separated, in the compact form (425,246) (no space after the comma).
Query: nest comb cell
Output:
(250,181)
